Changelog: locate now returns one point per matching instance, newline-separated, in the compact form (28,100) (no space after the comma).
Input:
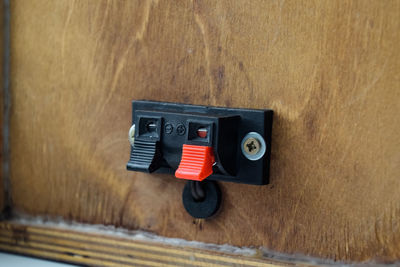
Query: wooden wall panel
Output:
(329,69)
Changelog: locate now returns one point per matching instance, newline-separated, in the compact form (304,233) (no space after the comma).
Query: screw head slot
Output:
(253,146)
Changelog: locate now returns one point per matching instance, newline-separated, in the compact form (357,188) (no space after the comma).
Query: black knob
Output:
(201,199)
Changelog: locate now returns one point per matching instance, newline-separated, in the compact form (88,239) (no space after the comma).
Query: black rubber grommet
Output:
(208,206)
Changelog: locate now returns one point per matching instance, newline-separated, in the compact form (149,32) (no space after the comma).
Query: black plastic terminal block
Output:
(199,144)
(161,130)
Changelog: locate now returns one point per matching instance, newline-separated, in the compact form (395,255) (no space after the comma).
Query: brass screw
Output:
(251,146)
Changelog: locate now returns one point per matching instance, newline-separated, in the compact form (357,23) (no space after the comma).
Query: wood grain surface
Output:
(100,249)
(329,69)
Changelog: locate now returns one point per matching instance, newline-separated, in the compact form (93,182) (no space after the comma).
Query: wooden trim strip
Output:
(111,253)
(123,244)
(83,253)
(120,243)
(106,250)
(56,256)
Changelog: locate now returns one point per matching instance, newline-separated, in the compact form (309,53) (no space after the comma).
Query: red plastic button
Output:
(196,163)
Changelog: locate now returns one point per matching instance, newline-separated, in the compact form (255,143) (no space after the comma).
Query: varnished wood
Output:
(329,69)
(104,250)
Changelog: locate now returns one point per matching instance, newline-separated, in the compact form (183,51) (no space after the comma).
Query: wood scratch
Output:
(292,224)
(103,14)
(363,92)
(123,59)
(102,26)
(67,22)
(278,27)
(202,29)
(291,113)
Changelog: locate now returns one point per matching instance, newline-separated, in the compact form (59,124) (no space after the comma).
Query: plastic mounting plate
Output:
(251,120)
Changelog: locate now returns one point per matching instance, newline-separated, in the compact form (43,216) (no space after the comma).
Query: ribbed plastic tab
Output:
(145,156)
(196,163)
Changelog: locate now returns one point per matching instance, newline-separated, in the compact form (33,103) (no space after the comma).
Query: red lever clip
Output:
(196,163)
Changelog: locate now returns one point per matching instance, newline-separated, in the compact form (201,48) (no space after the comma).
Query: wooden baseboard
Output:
(91,249)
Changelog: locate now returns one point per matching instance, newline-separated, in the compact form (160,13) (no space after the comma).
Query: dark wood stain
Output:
(219,75)
(20,234)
